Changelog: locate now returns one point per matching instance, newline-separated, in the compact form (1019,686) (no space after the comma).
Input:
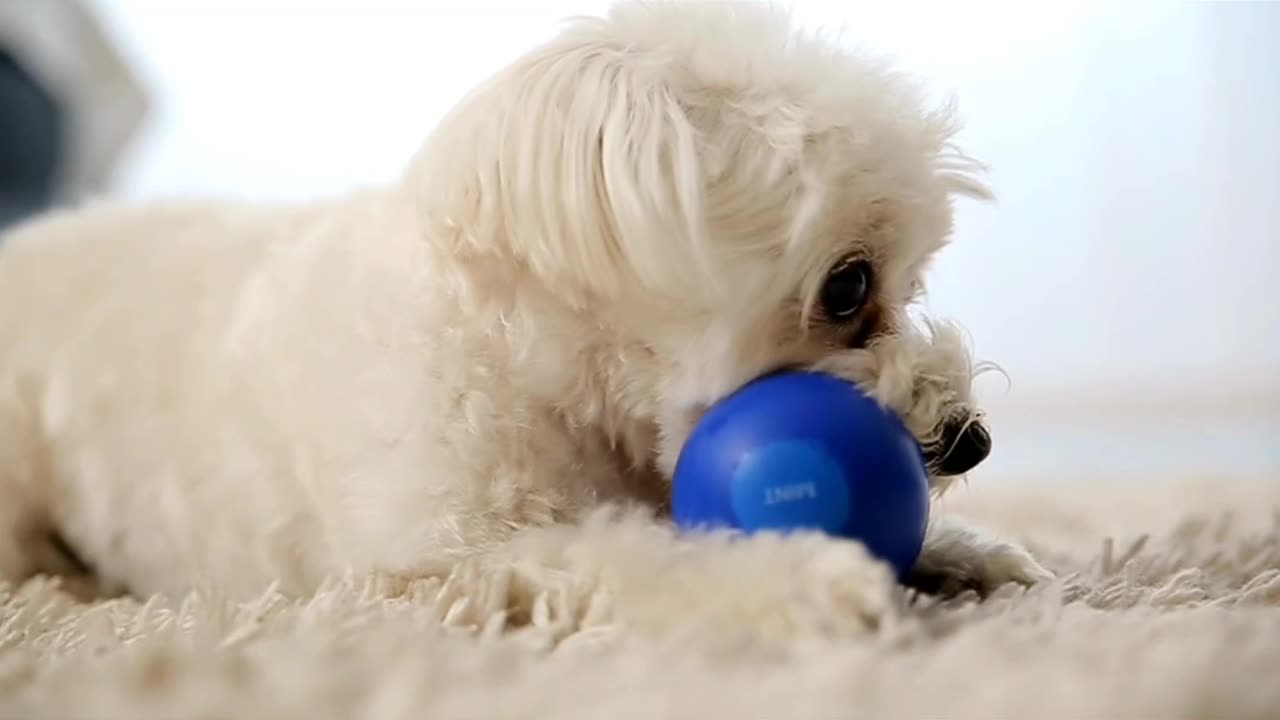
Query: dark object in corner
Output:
(32,142)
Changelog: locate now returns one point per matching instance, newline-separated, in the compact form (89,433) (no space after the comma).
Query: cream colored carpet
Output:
(1170,608)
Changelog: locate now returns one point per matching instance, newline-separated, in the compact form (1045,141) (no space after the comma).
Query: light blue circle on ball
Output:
(790,484)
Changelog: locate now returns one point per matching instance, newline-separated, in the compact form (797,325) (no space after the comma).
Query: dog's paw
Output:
(957,558)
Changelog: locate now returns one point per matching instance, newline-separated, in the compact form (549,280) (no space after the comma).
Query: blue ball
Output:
(806,451)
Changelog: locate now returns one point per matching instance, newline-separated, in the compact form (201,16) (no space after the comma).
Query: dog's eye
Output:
(846,290)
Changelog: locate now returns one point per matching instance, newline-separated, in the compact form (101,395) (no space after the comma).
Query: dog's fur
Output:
(598,243)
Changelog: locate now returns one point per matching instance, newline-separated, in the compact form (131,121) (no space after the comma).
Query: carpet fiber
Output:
(1168,607)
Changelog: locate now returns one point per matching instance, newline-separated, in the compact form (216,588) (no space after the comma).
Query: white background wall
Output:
(1135,148)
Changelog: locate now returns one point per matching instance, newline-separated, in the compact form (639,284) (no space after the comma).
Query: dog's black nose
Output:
(965,444)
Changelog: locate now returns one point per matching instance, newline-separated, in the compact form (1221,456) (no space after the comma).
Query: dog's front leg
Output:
(958,557)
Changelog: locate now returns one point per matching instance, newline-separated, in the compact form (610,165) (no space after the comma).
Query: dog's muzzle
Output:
(965,443)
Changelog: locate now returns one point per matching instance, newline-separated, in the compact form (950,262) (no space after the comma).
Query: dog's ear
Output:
(580,163)
(961,174)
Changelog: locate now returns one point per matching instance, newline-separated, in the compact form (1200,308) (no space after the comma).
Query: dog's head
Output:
(725,196)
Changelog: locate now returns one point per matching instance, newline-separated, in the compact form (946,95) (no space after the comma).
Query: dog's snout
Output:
(965,444)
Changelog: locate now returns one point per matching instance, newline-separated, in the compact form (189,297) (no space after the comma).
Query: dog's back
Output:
(141,357)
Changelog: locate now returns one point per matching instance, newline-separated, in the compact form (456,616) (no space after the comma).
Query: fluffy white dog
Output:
(598,243)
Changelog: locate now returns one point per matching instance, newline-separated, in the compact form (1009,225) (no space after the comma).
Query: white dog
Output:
(598,243)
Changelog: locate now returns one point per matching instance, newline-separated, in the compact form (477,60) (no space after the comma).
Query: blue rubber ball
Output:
(806,451)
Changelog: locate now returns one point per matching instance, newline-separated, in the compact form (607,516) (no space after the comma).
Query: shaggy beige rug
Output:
(1169,607)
